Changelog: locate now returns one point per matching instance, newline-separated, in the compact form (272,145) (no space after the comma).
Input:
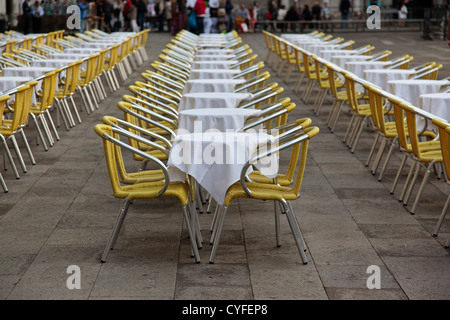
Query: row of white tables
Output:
(209,146)
(428,95)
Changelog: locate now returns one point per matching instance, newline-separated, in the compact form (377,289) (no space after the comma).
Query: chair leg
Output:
(299,82)
(408,192)
(116,229)
(219,232)
(441,218)
(192,235)
(19,155)
(388,157)
(336,115)
(52,124)
(372,150)
(378,157)
(27,146)
(9,156)
(39,136)
(296,231)
(3,183)
(422,186)
(397,176)
(355,141)
(277,224)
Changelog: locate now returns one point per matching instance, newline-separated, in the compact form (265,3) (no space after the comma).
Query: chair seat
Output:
(150,190)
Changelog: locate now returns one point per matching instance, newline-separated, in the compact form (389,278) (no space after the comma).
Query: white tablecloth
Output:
(51,63)
(210,51)
(85,51)
(341,60)
(214,85)
(380,77)
(327,54)
(7,83)
(215,160)
(213,74)
(437,104)
(217,64)
(410,90)
(33,72)
(204,100)
(67,56)
(221,119)
(358,67)
(214,57)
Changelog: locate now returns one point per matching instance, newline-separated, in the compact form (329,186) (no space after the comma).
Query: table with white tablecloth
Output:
(221,119)
(214,57)
(380,77)
(213,74)
(437,104)
(212,51)
(358,67)
(215,159)
(341,60)
(410,90)
(217,64)
(327,54)
(212,100)
(52,63)
(7,83)
(212,85)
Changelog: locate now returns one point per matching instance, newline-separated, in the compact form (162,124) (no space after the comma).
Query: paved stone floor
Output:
(60,213)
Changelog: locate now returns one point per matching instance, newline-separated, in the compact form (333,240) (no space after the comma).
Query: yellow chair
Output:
(444,138)
(39,111)
(85,83)
(145,190)
(361,112)
(340,96)
(273,192)
(420,152)
(110,67)
(66,88)
(3,100)
(298,54)
(311,74)
(20,111)
(268,37)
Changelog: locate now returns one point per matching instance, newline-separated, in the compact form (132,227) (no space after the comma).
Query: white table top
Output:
(209,51)
(327,54)
(213,57)
(341,60)
(358,67)
(410,90)
(437,104)
(380,77)
(212,85)
(213,74)
(52,63)
(212,100)
(216,159)
(81,51)
(33,72)
(221,119)
(216,64)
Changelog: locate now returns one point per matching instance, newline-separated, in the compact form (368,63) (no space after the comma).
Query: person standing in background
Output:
(141,13)
(108,10)
(229,11)
(251,18)
(27,16)
(200,11)
(132,14)
(168,9)
(38,13)
(345,7)
(83,15)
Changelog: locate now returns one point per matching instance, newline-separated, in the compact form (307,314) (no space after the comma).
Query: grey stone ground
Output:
(61,213)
